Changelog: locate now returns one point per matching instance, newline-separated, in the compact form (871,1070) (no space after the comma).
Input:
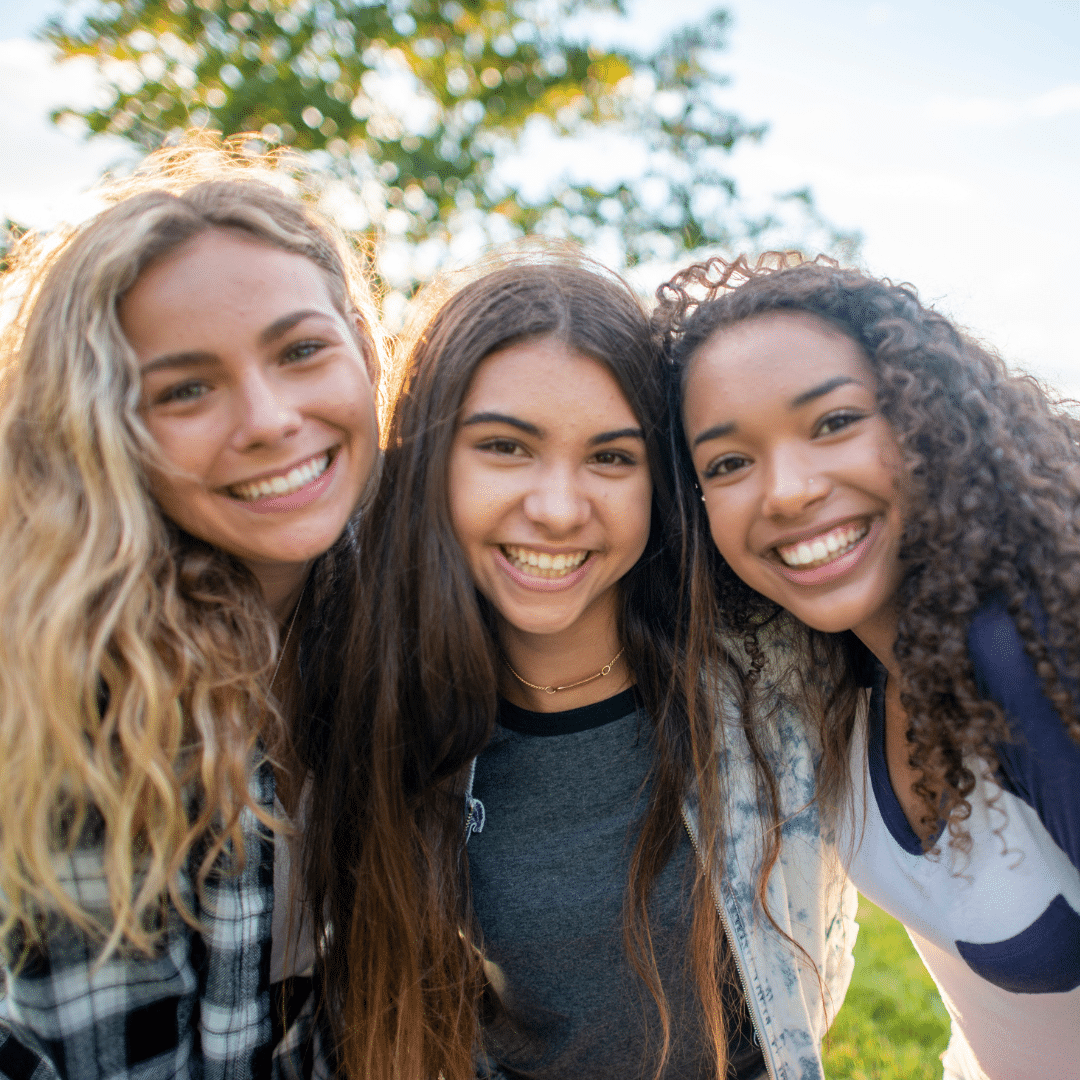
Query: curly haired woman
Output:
(186,426)
(869,468)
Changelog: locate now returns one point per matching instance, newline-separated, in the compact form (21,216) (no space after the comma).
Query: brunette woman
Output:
(645,891)
(187,426)
(878,474)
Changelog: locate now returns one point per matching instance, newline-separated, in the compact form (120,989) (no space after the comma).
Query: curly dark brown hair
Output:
(992,467)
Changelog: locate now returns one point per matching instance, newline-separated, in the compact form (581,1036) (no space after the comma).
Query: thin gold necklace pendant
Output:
(605,670)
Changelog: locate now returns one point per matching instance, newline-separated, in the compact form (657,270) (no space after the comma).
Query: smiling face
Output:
(256,391)
(550,492)
(798,468)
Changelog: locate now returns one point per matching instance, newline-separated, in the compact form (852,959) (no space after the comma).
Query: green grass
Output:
(893,1025)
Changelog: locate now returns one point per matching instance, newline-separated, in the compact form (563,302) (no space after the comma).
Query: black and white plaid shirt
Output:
(199,1008)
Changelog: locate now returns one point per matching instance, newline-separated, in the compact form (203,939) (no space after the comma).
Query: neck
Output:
(879,635)
(281,584)
(570,656)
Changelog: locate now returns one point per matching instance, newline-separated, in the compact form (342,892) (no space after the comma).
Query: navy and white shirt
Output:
(998,927)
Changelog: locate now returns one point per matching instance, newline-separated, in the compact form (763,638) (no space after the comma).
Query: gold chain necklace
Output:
(605,670)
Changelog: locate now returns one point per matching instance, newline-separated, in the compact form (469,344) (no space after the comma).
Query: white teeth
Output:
(823,549)
(285,484)
(542,563)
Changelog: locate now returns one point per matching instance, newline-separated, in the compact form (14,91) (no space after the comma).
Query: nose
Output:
(556,501)
(793,484)
(264,411)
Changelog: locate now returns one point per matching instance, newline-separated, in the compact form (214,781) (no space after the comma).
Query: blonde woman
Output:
(187,425)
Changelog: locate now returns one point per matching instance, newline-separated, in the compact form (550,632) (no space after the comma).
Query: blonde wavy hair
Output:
(134,659)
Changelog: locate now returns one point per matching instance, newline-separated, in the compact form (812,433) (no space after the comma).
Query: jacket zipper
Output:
(766,1050)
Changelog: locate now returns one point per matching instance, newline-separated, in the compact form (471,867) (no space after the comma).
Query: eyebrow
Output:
(277,329)
(177,360)
(622,433)
(717,432)
(532,429)
(282,326)
(820,391)
(502,418)
(827,387)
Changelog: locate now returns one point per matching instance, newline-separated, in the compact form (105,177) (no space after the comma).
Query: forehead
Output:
(545,375)
(776,353)
(226,260)
(217,284)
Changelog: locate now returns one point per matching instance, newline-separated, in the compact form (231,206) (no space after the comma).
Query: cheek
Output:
(186,453)
(641,516)
(182,501)
(726,529)
(465,499)
(353,400)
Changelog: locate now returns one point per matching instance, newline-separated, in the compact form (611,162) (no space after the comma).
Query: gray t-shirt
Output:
(562,794)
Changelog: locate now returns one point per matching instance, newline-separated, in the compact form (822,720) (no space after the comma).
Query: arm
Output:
(20,1060)
(199,1005)
(89,1018)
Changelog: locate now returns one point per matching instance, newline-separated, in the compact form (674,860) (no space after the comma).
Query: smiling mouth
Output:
(823,549)
(283,483)
(543,564)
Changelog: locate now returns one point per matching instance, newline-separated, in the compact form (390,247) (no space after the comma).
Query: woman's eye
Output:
(724,466)
(613,457)
(502,446)
(836,421)
(182,392)
(302,350)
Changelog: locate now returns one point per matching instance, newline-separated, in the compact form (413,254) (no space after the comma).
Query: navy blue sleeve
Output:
(1042,765)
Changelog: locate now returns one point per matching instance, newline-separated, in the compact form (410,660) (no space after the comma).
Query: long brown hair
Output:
(418,695)
(992,468)
(134,658)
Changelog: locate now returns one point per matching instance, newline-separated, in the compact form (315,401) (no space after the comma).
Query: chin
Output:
(831,620)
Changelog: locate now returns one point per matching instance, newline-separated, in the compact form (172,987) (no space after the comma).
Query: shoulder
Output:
(1040,764)
(791,689)
(1005,674)
(994,643)
(781,715)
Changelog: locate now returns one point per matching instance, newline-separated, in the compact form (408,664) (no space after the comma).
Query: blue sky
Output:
(948,133)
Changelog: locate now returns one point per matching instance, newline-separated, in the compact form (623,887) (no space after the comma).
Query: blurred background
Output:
(937,143)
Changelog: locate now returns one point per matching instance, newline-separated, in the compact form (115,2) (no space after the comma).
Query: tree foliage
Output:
(419,105)
(10,233)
